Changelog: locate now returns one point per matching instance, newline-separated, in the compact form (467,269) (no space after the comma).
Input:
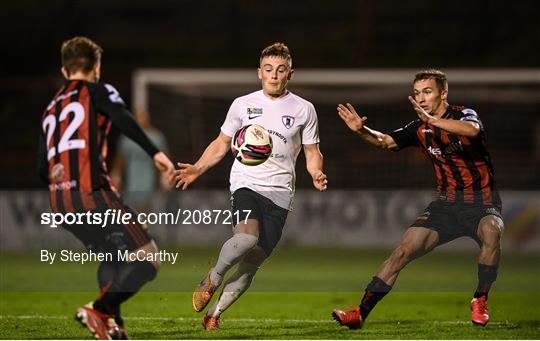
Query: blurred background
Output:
(461,37)
(363,34)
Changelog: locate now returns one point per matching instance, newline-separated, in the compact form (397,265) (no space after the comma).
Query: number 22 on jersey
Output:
(66,142)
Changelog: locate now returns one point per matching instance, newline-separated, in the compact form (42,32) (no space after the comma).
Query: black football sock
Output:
(106,274)
(129,279)
(117,317)
(487,274)
(375,291)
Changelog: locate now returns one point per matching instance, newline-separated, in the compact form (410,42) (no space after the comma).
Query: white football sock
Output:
(234,287)
(231,253)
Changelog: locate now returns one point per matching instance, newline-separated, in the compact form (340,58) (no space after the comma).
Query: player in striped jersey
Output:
(72,154)
(467,201)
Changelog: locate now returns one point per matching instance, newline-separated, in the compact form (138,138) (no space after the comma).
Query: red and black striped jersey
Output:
(462,164)
(73,145)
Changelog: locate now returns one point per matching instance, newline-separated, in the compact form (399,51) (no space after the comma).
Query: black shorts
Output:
(454,220)
(271,217)
(112,237)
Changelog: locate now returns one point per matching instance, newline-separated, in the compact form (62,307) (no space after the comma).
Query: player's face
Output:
(430,98)
(274,74)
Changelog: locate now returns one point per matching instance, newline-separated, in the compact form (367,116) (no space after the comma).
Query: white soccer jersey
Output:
(291,121)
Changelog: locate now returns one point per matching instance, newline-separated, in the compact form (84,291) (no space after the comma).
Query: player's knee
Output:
(156,262)
(249,226)
(245,240)
(157,265)
(492,239)
(491,231)
(152,248)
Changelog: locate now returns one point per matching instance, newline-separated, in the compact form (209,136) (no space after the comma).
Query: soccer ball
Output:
(251,145)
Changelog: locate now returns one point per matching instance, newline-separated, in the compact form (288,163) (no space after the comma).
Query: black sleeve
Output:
(406,136)
(42,163)
(108,102)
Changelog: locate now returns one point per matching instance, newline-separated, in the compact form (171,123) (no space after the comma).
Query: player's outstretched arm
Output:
(464,128)
(214,153)
(356,123)
(314,165)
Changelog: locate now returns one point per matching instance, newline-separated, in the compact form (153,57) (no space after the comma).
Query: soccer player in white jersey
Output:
(266,190)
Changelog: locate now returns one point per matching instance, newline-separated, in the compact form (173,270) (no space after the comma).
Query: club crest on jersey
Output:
(254,112)
(57,172)
(287,120)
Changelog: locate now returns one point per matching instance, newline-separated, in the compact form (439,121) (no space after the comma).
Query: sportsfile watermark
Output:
(121,217)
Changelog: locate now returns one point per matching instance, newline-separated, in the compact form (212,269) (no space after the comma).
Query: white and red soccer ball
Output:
(251,145)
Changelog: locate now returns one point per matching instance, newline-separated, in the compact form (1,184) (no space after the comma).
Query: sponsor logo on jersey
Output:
(277,134)
(254,112)
(434,151)
(63,186)
(453,148)
(287,120)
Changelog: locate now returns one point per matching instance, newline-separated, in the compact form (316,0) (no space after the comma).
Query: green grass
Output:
(291,298)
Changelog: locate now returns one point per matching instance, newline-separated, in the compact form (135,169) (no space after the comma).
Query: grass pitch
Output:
(291,298)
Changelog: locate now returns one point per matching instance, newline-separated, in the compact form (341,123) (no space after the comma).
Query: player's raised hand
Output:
(350,117)
(423,115)
(186,175)
(320,181)
(164,165)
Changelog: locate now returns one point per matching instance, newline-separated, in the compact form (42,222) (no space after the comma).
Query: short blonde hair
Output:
(277,49)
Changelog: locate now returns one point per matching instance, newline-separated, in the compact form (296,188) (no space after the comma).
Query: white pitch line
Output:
(160,318)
